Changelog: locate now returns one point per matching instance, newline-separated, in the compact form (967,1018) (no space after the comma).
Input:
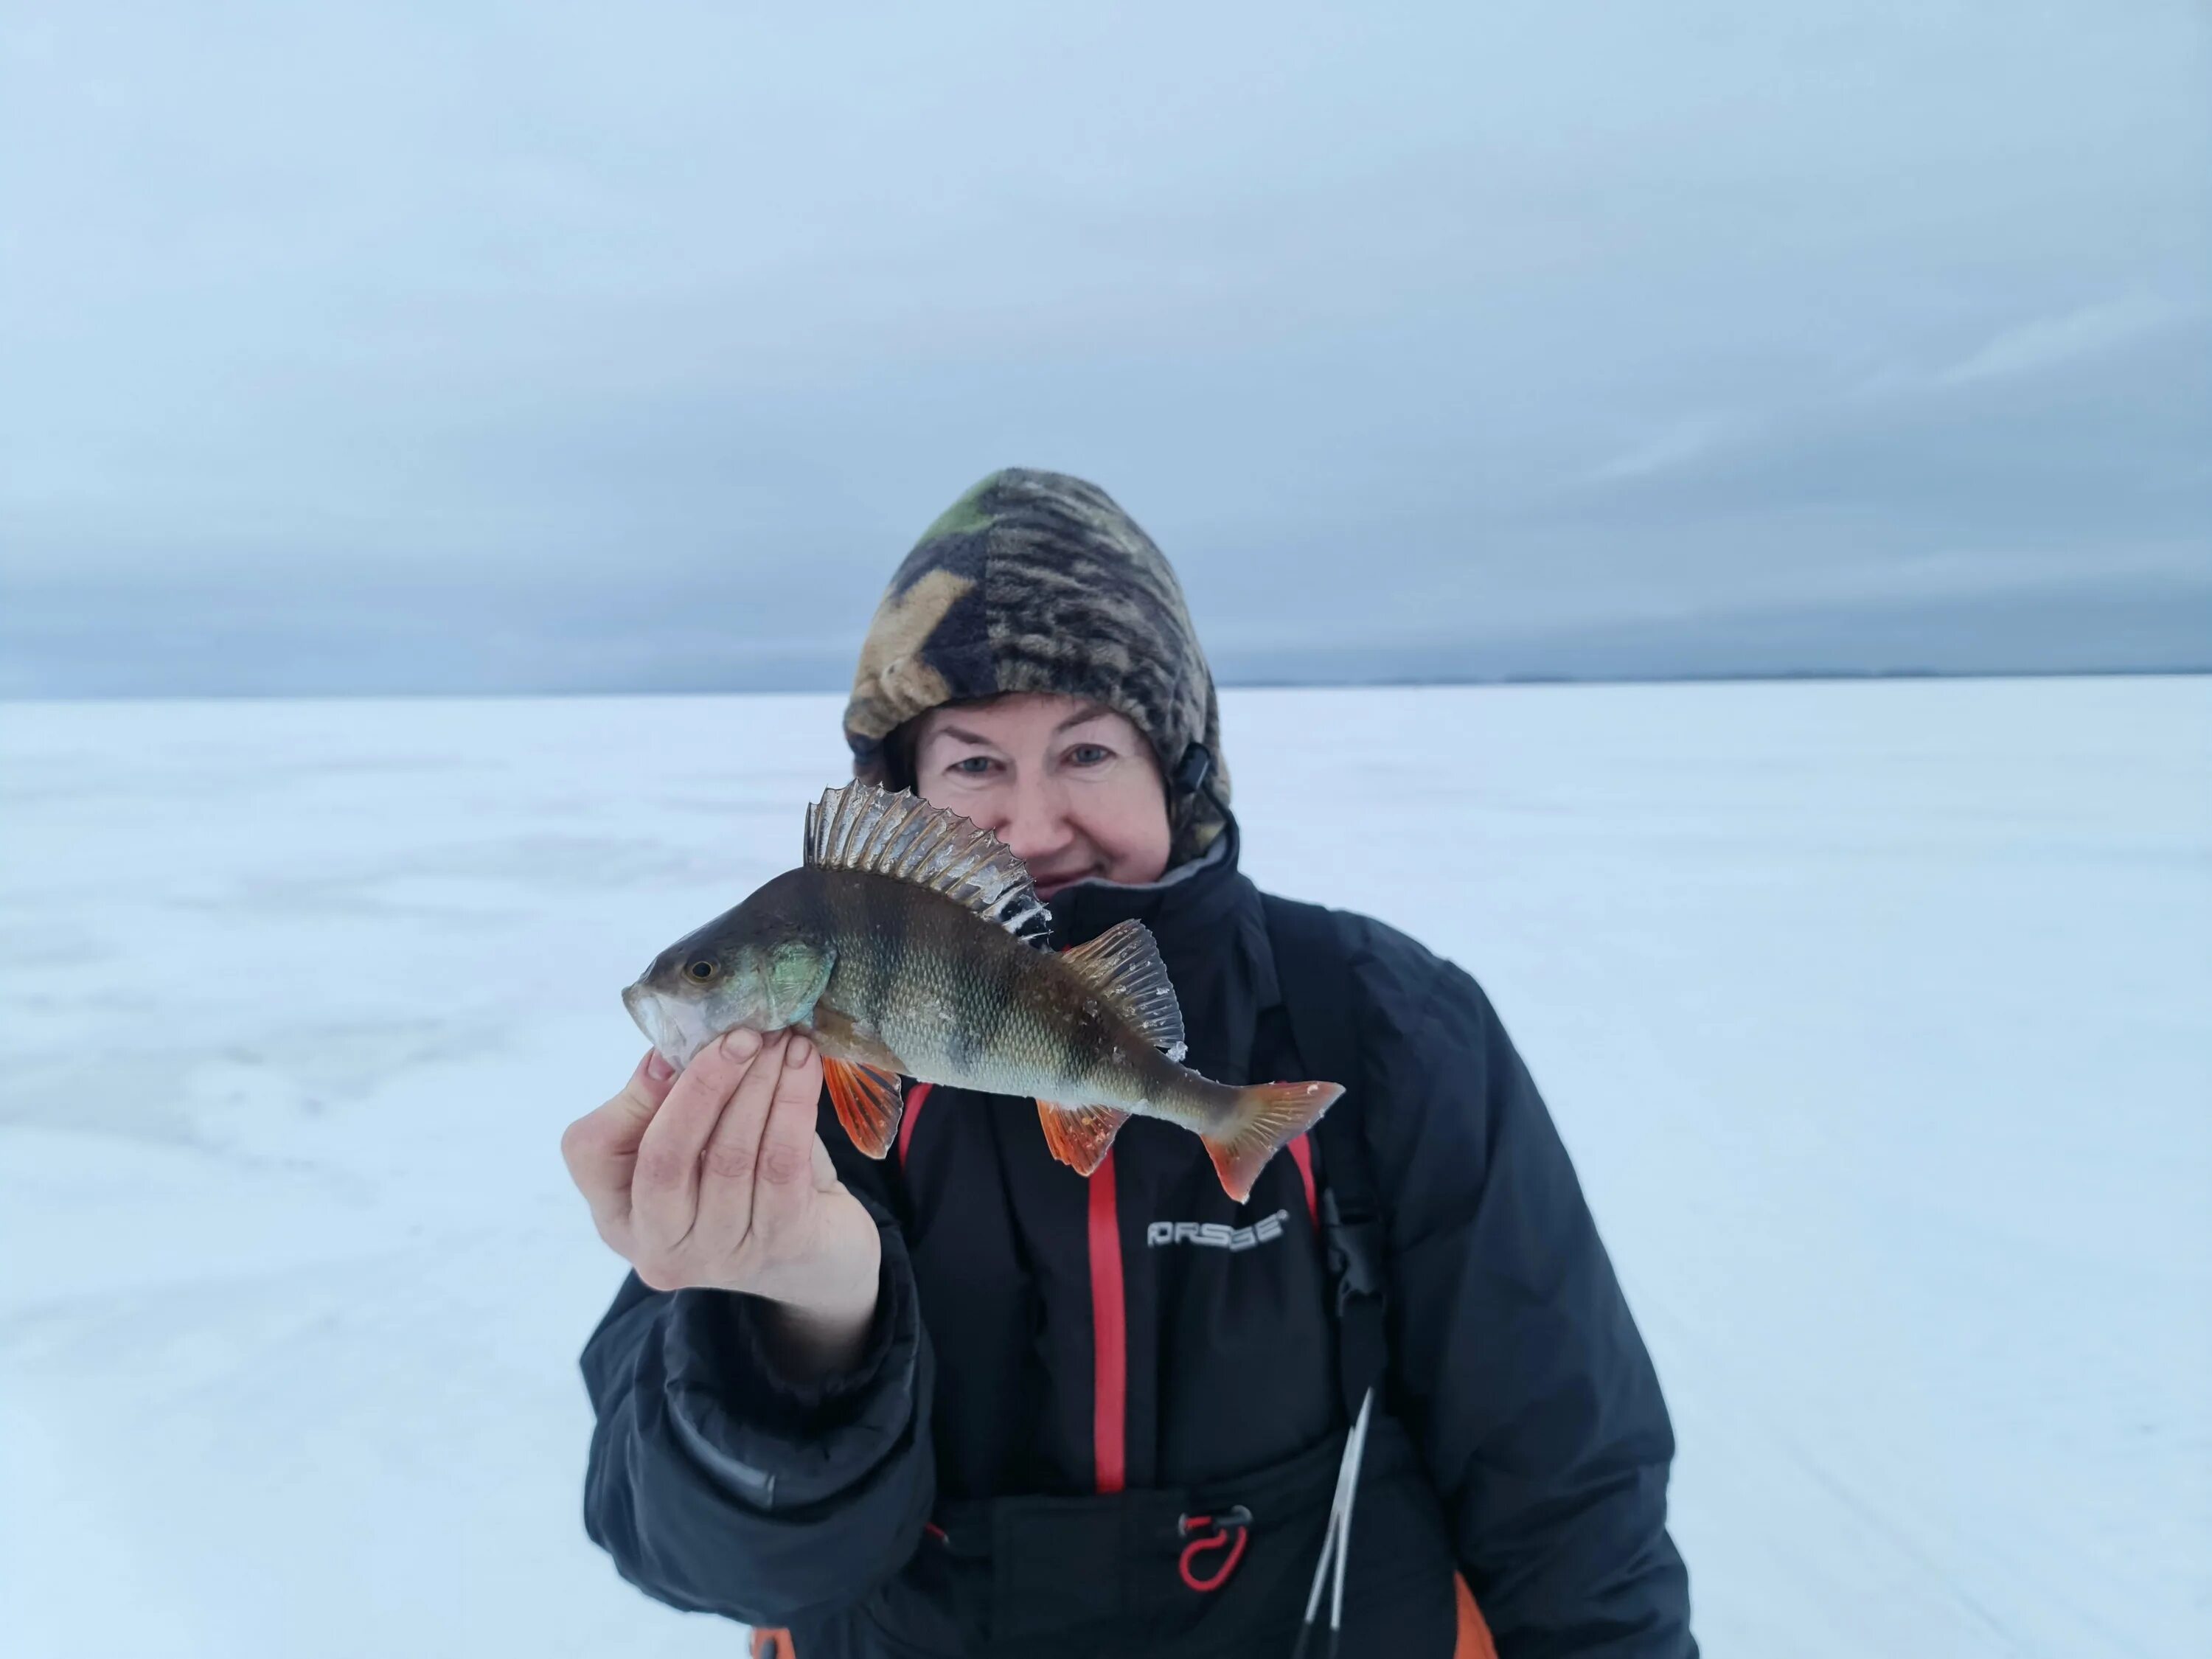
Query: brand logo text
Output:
(1217,1235)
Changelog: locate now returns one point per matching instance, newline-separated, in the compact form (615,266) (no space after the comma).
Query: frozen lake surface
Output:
(1878,1018)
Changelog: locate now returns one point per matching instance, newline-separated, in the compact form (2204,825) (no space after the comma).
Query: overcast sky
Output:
(469,346)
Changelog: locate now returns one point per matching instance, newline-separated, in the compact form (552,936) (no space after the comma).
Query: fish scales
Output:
(975,1003)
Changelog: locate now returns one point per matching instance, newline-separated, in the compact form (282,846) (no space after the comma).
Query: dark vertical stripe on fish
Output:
(860,967)
(988,1015)
(1086,1043)
(817,916)
(890,924)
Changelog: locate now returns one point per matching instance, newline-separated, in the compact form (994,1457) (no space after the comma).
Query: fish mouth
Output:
(676,1030)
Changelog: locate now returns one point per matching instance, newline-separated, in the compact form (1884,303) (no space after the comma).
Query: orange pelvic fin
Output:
(1080,1136)
(1267,1114)
(867,1103)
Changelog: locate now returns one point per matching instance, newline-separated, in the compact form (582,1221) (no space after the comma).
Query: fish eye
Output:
(702,969)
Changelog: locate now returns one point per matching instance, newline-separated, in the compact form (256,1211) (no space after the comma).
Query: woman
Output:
(965,1401)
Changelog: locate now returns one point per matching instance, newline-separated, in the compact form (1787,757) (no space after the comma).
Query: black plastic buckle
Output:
(1355,1246)
(1192,770)
(1235,1518)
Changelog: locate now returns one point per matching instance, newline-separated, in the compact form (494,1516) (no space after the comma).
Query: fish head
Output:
(739,970)
(677,1024)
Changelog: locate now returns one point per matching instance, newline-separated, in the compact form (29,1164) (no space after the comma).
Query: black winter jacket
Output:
(1525,1441)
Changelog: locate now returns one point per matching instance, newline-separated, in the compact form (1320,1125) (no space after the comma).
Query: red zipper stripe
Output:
(1302,1155)
(1110,1335)
(915,1096)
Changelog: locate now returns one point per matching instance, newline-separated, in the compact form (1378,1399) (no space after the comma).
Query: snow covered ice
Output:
(1878,1018)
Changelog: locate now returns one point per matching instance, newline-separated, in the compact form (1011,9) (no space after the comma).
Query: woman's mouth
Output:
(1049,883)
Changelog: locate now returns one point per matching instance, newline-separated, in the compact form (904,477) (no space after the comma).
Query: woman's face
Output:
(1071,788)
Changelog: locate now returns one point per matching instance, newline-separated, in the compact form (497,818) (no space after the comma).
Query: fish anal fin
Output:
(1123,966)
(868,1102)
(1080,1136)
(1266,1116)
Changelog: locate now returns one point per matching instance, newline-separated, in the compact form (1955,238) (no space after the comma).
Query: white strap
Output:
(1336,1540)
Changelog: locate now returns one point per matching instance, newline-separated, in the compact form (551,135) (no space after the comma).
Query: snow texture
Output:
(1878,1018)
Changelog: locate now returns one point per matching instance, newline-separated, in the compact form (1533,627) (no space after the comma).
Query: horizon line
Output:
(1809,677)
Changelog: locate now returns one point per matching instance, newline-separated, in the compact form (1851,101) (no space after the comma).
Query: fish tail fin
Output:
(1265,1117)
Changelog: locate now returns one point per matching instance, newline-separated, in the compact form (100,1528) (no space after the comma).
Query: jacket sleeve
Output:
(719,1485)
(1518,1366)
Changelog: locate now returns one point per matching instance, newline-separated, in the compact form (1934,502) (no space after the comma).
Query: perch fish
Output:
(910,943)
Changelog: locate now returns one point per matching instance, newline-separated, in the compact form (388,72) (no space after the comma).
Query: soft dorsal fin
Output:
(1123,965)
(862,827)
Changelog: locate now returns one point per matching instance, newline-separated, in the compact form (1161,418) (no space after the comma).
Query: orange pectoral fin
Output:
(842,1037)
(867,1103)
(1080,1136)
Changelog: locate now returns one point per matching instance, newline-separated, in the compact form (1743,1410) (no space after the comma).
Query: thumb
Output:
(648,1086)
(621,1122)
(600,1147)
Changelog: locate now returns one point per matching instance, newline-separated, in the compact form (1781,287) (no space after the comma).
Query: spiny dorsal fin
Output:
(862,827)
(1123,965)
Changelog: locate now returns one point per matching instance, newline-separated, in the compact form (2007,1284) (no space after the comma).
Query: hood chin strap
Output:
(1194,771)
(1195,777)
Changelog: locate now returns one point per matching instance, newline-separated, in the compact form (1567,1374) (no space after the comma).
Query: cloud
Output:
(2052,342)
(1505,319)
(1678,444)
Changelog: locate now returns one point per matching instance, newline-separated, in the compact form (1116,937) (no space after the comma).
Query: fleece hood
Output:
(1036,581)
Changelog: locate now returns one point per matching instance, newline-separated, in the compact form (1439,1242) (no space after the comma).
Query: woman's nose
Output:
(1032,821)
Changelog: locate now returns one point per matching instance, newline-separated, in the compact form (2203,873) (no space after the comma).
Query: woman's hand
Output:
(716,1179)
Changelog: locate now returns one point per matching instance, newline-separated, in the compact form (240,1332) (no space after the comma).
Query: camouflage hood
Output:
(1035,581)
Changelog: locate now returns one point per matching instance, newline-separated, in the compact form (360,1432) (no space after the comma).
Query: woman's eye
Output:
(972,766)
(1090,754)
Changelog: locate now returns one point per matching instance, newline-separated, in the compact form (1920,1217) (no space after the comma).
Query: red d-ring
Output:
(1232,1529)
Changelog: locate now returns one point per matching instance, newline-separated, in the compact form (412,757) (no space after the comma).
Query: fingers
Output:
(665,1184)
(730,1169)
(784,1186)
(600,1147)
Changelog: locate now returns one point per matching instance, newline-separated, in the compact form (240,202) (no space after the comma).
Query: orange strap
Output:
(1473,1639)
(773,1645)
